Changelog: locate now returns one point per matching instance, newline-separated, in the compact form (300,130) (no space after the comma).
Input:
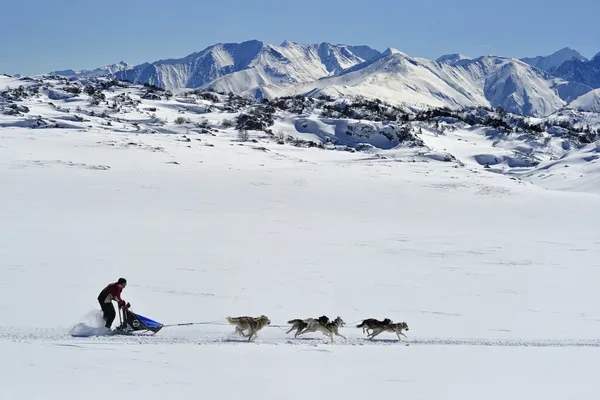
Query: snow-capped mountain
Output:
(240,67)
(262,70)
(108,70)
(552,62)
(586,72)
(417,82)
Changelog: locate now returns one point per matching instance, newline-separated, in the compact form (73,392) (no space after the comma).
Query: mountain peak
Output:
(567,50)
(552,62)
(452,58)
(391,51)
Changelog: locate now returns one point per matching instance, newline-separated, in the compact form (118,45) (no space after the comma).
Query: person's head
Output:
(122,282)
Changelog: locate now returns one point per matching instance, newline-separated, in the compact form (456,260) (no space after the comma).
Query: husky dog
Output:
(301,324)
(328,329)
(251,324)
(397,328)
(372,323)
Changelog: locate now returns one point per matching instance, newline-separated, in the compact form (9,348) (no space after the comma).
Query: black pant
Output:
(109,312)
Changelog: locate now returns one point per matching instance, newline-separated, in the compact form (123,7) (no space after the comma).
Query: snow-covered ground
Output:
(496,277)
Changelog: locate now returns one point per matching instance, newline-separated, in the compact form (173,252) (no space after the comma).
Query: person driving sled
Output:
(107,295)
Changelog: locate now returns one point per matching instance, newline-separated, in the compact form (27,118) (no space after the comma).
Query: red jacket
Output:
(112,292)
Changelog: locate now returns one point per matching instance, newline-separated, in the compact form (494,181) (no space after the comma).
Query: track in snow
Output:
(63,338)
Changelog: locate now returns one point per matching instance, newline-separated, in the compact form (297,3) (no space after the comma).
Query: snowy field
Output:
(496,278)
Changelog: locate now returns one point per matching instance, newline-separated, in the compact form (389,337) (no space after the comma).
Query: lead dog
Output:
(371,323)
(397,328)
(250,324)
(301,324)
(328,329)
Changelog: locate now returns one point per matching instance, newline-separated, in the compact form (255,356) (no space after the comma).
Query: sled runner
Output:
(135,323)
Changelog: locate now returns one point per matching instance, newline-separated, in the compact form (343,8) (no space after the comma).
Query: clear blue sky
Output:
(39,36)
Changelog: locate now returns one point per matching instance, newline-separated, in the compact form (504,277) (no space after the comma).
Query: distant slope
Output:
(552,62)
(588,102)
(108,70)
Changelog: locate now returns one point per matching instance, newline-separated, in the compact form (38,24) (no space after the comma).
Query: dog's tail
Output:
(232,321)
(294,321)
(361,324)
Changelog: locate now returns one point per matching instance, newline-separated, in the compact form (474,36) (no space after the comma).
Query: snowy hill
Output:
(588,102)
(355,124)
(239,67)
(552,62)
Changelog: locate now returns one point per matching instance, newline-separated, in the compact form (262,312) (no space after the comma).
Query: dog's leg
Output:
(298,331)
(339,334)
(292,328)
(308,329)
(375,333)
(302,332)
(251,333)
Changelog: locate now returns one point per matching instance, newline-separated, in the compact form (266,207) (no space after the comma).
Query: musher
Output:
(107,295)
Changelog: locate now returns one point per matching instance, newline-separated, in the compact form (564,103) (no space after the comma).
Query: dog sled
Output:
(132,323)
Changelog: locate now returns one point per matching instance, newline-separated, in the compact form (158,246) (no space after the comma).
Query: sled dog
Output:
(328,329)
(397,328)
(371,323)
(251,324)
(301,324)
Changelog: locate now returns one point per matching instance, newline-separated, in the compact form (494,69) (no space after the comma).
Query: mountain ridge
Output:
(254,61)
(529,86)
